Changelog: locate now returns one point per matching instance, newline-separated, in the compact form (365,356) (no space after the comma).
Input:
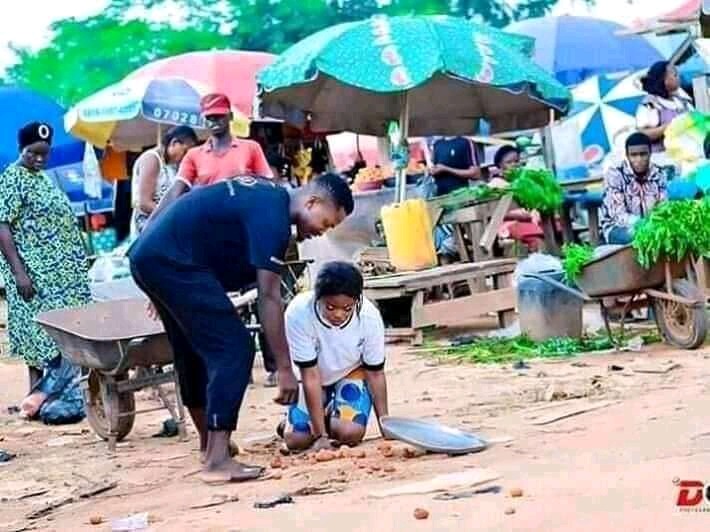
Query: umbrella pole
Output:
(160,135)
(404,129)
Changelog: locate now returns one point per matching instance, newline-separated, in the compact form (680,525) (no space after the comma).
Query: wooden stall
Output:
(417,289)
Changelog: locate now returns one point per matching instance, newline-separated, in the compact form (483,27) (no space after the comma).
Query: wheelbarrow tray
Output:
(108,336)
(618,272)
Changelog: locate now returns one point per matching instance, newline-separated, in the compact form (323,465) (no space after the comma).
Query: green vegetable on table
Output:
(535,189)
(575,257)
(478,193)
(673,230)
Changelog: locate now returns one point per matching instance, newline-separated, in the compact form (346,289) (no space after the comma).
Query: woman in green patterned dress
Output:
(45,266)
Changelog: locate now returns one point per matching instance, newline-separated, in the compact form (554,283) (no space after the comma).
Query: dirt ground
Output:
(611,468)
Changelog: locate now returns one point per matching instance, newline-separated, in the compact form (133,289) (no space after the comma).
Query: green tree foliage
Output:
(85,55)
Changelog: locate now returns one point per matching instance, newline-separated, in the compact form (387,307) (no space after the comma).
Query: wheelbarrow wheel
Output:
(681,325)
(99,403)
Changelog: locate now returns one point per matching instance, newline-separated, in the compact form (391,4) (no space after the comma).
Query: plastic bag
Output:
(109,268)
(536,263)
(92,172)
(65,402)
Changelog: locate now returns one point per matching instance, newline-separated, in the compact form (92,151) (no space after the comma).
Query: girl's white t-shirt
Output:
(337,351)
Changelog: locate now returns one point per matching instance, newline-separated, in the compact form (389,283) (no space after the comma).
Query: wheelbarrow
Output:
(108,340)
(122,351)
(619,283)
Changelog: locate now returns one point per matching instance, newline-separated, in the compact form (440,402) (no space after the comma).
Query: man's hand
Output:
(321,443)
(288,387)
(24,286)
(436,169)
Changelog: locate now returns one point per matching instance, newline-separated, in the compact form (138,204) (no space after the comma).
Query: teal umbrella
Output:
(437,75)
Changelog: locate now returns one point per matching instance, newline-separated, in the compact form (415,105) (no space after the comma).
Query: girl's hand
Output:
(321,443)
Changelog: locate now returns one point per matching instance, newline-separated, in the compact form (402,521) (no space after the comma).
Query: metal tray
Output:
(433,437)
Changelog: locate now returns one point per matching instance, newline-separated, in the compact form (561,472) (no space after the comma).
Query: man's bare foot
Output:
(230,471)
(233,451)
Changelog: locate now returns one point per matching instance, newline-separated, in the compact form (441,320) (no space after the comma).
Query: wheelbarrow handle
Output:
(545,279)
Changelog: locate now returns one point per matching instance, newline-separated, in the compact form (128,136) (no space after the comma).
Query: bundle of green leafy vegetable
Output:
(575,257)
(535,189)
(673,230)
(479,193)
(501,350)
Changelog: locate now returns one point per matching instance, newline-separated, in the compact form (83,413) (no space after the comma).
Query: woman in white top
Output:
(154,172)
(337,342)
(664,101)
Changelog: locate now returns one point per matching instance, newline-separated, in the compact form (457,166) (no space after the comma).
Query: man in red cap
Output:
(222,157)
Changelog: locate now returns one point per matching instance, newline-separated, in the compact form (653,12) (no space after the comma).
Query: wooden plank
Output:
(475,213)
(403,278)
(465,307)
(399,332)
(491,232)
(476,230)
(435,212)
(457,278)
(375,294)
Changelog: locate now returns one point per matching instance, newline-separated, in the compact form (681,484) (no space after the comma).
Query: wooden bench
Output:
(424,311)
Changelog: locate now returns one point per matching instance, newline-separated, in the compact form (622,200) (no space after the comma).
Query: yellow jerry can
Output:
(409,235)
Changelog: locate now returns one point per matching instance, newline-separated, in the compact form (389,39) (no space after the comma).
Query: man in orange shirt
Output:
(222,157)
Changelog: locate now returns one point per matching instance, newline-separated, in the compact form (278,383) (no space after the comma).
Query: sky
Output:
(27,22)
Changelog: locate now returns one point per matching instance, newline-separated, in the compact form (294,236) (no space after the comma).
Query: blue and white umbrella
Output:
(603,107)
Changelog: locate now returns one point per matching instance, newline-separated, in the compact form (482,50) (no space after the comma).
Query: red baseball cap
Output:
(215,104)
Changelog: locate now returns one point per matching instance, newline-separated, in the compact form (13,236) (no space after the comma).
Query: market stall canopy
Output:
(130,113)
(21,106)
(577,48)
(351,77)
(604,107)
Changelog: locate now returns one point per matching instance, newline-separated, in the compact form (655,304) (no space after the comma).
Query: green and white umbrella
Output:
(437,75)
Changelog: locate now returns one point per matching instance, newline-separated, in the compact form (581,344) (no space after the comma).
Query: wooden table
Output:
(499,298)
(475,225)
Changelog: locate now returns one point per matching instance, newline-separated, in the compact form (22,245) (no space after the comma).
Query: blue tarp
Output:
(21,106)
(70,179)
(577,48)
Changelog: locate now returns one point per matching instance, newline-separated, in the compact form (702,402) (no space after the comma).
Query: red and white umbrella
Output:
(228,72)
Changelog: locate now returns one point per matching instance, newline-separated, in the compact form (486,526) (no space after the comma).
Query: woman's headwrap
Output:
(34,132)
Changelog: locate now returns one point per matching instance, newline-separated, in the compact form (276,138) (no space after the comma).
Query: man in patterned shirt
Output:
(631,191)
